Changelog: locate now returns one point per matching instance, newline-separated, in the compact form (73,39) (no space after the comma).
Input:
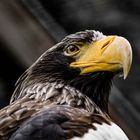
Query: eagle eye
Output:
(71,50)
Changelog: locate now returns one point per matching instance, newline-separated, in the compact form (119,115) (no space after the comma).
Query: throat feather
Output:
(96,86)
(56,93)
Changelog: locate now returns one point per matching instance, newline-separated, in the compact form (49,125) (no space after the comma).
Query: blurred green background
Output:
(29,27)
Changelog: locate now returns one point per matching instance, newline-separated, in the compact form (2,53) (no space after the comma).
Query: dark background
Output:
(29,27)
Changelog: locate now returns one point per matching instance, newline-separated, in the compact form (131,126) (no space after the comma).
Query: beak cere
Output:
(112,53)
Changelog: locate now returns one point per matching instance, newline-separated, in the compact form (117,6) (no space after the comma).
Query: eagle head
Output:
(86,61)
(85,53)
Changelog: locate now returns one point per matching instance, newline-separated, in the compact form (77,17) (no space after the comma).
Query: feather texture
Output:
(104,132)
(59,122)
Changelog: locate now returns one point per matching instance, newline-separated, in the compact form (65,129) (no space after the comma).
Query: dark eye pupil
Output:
(72,48)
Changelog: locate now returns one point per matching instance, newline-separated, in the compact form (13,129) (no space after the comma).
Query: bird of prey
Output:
(64,94)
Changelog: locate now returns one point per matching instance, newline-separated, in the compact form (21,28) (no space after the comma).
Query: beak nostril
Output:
(106,44)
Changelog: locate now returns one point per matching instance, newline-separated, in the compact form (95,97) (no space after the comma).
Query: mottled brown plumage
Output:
(73,121)
(20,110)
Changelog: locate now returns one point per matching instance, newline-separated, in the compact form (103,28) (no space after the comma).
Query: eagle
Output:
(64,95)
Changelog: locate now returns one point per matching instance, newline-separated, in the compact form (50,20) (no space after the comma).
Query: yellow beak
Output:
(112,53)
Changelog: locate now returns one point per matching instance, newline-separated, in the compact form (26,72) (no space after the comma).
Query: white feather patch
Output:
(104,132)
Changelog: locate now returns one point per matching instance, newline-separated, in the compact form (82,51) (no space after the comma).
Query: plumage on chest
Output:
(68,123)
(103,132)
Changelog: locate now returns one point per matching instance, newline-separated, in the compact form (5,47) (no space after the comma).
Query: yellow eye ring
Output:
(71,50)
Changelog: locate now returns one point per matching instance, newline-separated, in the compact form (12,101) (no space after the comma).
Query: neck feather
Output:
(58,93)
(88,91)
(96,87)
